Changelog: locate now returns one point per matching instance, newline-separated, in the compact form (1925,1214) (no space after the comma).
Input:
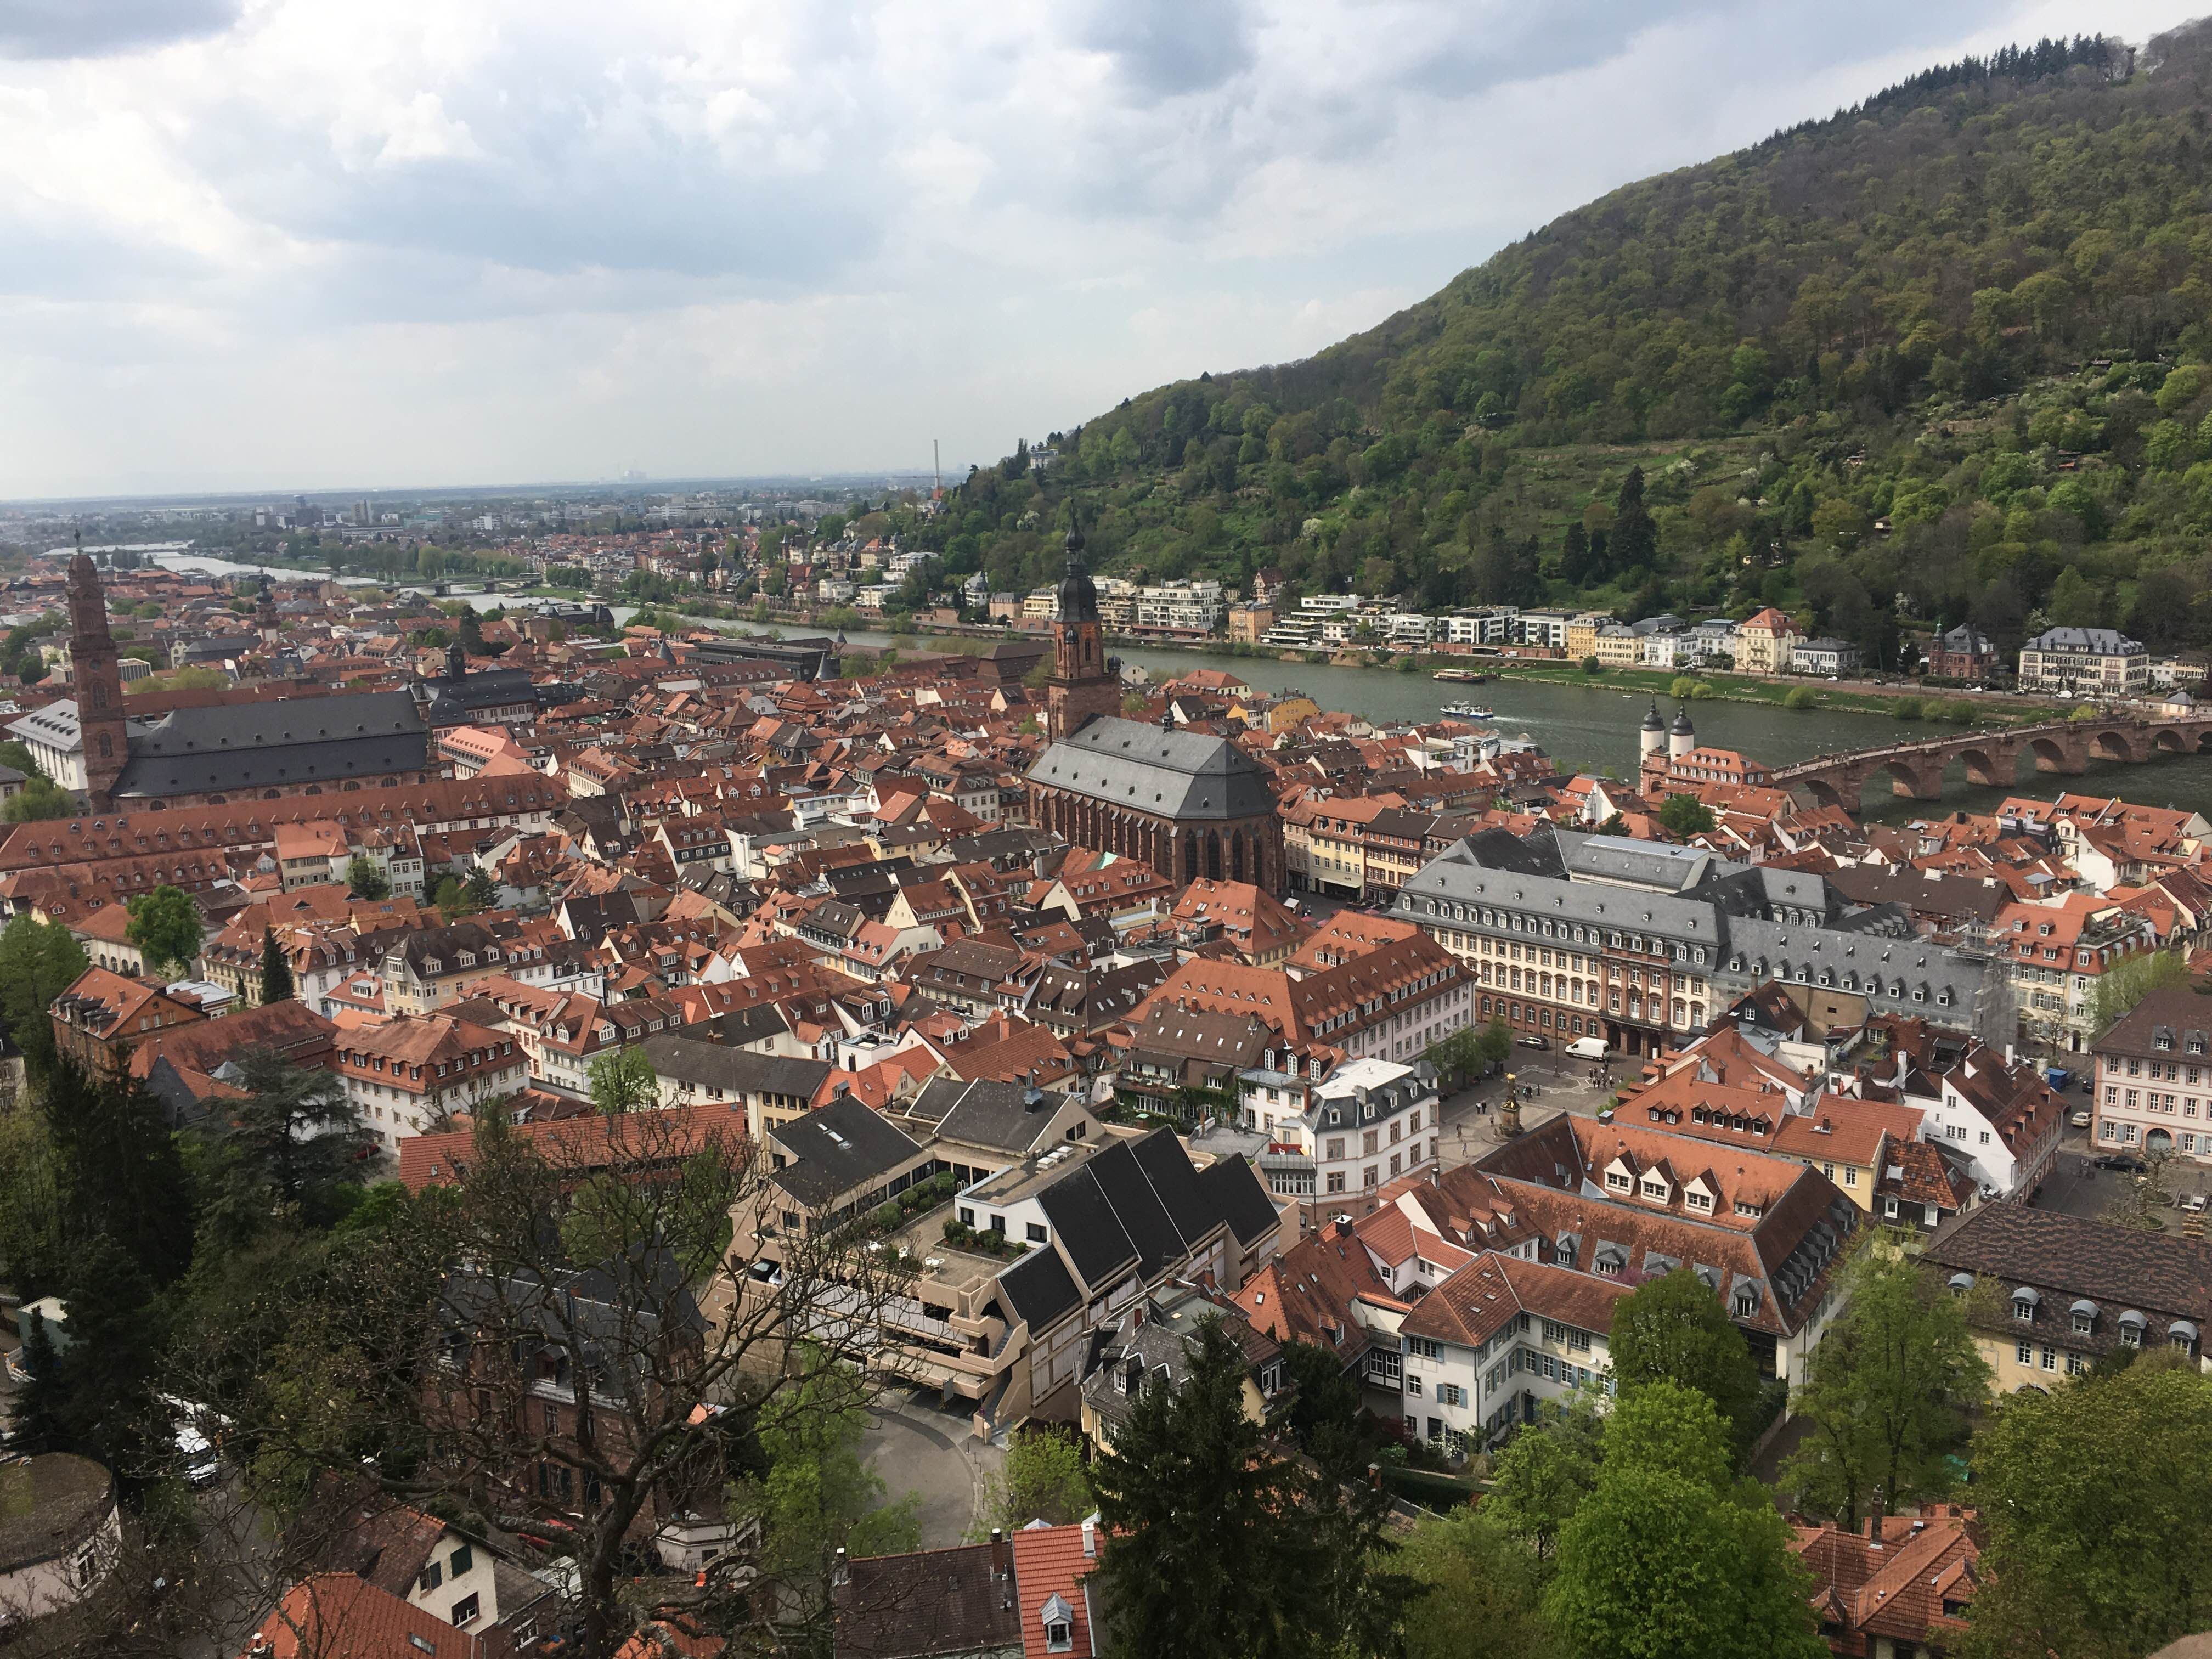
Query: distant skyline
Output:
(282,243)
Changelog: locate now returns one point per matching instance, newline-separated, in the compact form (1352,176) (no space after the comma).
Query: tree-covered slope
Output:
(1947,345)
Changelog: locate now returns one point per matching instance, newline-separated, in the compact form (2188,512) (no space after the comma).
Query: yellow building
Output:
(1617,648)
(1766,643)
(1582,632)
(1248,621)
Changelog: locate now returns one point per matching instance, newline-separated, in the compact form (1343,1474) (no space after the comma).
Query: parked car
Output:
(2080,1120)
(1532,1041)
(2123,1162)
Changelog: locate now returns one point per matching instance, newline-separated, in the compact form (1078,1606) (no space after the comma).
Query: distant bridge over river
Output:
(1992,758)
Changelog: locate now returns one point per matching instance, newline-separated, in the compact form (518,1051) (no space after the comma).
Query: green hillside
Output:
(1953,345)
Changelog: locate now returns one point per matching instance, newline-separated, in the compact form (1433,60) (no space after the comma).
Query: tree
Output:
(453,901)
(818,1495)
(39,961)
(1215,1546)
(2098,1499)
(364,880)
(105,1382)
(275,969)
(1800,698)
(1479,1594)
(404,1352)
(621,1079)
(39,1401)
(1666,1558)
(1324,1402)
(282,1149)
(1890,1393)
(1042,1478)
(2131,979)
(1674,1329)
(1635,538)
(164,925)
(119,1172)
(1685,815)
(481,891)
(40,797)
(1542,1475)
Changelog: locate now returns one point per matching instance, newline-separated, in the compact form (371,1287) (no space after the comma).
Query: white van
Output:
(1587,1048)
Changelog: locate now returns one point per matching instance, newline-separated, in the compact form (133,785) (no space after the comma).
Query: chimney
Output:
(840,1572)
(1002,1558)
(1089,1538)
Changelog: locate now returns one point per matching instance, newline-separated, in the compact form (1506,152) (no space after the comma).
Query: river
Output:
(1589,729)
(1586,728)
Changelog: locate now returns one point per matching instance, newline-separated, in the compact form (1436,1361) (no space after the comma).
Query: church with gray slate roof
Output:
(1189,804)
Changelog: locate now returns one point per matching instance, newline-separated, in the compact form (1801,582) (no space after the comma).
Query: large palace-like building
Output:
(1189,804)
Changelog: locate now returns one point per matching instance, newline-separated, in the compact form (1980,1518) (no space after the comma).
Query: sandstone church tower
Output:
(99,685)
(1081,686)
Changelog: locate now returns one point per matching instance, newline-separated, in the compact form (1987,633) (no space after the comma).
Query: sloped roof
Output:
(1174,774)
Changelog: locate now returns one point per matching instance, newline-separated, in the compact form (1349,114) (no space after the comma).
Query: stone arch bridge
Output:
(1992,758)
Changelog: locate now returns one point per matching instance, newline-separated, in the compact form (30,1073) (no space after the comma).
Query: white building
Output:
(1495,1340)
(51,735)
(1180,608)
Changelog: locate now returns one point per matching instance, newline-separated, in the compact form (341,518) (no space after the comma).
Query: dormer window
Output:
(1618,1180)
(2023,1305)
(1058,1620)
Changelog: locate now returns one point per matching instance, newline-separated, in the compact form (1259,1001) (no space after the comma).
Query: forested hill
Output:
(1946,347)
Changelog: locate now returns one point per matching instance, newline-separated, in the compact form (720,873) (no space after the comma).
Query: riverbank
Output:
(1955,706)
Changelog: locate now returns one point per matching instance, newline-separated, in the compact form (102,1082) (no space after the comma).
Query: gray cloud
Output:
(1172,48)
(100,28)
(528,238)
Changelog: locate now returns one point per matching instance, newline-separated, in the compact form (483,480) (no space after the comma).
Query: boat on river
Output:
(1459,676)
(1469,711)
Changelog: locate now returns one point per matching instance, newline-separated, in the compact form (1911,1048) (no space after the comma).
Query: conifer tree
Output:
(275,969)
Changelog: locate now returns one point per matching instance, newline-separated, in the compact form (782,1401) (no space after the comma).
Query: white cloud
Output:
(419,241)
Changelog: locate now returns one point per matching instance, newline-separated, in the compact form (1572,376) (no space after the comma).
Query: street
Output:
(1469,1119)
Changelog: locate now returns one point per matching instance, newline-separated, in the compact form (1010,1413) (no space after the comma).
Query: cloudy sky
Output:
(265,244)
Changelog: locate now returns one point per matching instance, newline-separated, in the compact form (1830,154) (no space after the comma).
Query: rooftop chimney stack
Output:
(1089,1538)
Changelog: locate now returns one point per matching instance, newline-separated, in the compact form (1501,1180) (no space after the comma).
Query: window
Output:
(1035,1231)
(433,1575)
(2024,1353)
(2050,1359)
(1413,1385)
(460,1564)
(2023,1310)
(1450,1393)
(1424,1347)
(466,1611)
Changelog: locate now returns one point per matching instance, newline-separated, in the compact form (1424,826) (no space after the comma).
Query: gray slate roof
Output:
(838,1147)
(1176,774)
(687,1058)
(293,740)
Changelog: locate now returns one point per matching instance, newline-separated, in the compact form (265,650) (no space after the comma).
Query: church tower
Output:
(1082,687)
(99,685)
